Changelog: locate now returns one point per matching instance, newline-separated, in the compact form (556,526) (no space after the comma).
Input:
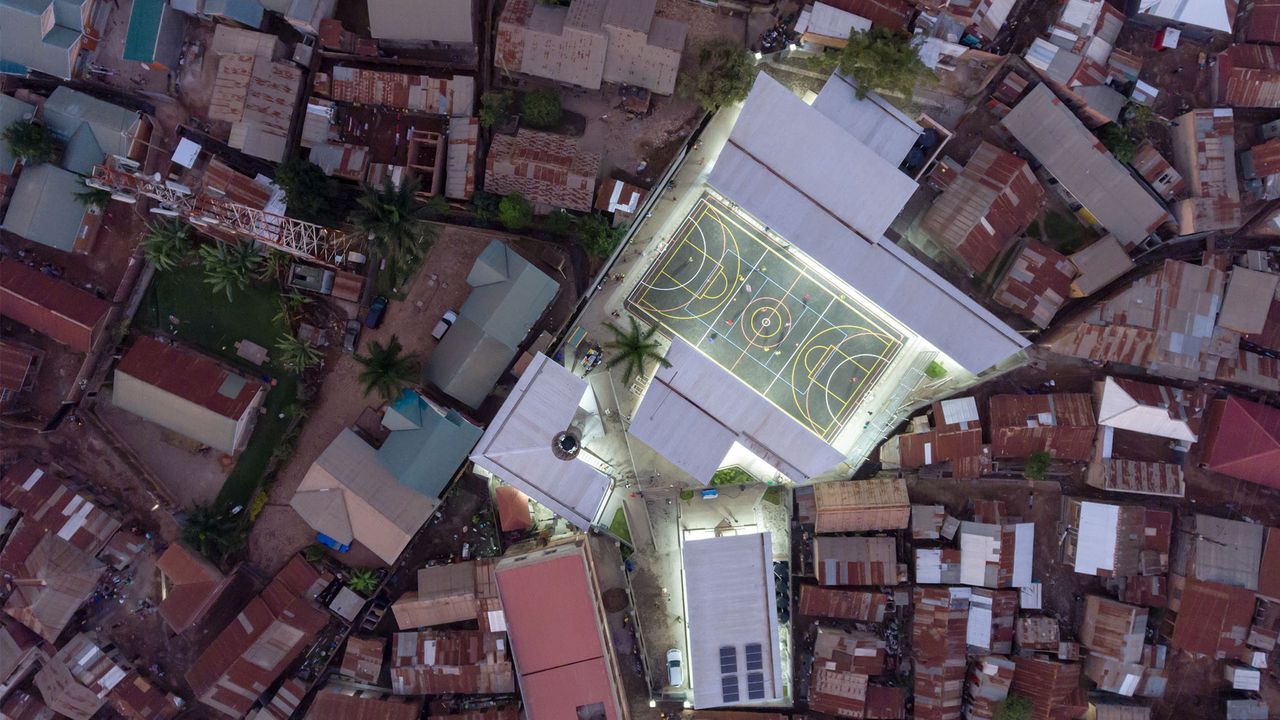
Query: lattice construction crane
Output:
(220,216)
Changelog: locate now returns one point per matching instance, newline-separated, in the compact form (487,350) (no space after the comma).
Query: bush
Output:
(1014,707)
(495,108)
(33,143)
(559,222)
(1119,141)
(514,212)
(485,207)
(1037,466)
(1063,232)
(597,236)
(310,193)
(541,109)
(934,370)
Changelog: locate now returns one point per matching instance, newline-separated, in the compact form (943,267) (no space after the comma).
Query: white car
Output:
(675,674)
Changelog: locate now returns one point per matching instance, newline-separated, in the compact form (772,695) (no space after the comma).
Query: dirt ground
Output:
(439,285)
(108,65)
(192,478)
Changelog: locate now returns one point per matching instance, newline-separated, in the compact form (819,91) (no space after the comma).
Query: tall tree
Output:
(495,108)
(634,348)
(167,244)
(33,143)
(94,198)
(395,221)
(723,76)
(597,236)
(213,532)
(229,266)
(310,193)
(387,369)
(881,60)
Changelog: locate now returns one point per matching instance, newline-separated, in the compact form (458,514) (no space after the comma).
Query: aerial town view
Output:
(640,359)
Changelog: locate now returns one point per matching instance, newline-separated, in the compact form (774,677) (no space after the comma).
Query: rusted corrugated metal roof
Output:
(842,604)
(1060,424)
(885,702)
(993,199)
(545,168)
(1037,283)
(861,505)
(848,651)
(50,307)
(1159,174)
(433,662)
(1248,76)
(362,659)
(856,561)
(838,693)
(1262,25)
(188,375)
(336,705)
(890,14)
(49,506)
(938,631)
(1212,618)
(1052,687)
(1113,629)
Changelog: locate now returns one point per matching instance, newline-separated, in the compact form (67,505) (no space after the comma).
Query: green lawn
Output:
(211,322)
(619,526)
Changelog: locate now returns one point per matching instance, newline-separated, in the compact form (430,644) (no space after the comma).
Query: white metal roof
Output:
(517,445)
(800,173)
(829,21)
(978,631)
(872,121)
(730,604)
(1211,14)
(1096,541)
(1120,410)
(695,410)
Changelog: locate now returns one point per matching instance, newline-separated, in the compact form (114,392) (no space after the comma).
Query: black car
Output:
(376,311)
(351,336)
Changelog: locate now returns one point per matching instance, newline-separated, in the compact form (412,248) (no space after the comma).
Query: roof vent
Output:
(567,444)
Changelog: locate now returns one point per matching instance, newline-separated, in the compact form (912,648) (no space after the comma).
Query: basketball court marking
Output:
(789,334)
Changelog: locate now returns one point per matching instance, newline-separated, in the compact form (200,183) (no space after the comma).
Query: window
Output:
(755,656)
(728,660)
(755,686)
(729,688)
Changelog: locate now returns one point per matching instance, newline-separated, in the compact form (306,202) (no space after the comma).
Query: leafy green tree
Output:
(724,74)
(1037,466)
(229,266)
(881,60)
(559,222)
(634,348)
(310,193)
(437,206)
(1118,140)
(1014,707)
(274,265)
(514,212)
(597,236)
(386,370)
(364,581)
(291,304)
(213,532)
(94,198)
(33,143)
(541,108)
(395,221)
(167,244)
(297,354)
(495,108)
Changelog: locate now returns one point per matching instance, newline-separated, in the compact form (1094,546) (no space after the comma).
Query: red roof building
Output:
(19,365)
(843,604)
(1052,687)
(549,170)
(253,650)
(1242,439)
(51,307)
(992,200)
(563,657)
(1247,76)
(192,586)
(49,506)
(1269,571)
(891,14)
(841,560)
(938,640)
(1060,424)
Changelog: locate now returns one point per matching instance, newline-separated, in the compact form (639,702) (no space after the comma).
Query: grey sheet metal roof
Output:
(23,43)
(44,207)
(70,113)
(832,197)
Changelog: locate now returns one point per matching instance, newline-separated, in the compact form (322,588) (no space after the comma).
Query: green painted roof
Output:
(44,207)
(425,458)
(508,295)
(67,110)
(144,30)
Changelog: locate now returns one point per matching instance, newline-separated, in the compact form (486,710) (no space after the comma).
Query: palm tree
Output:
(387,369)
(229,267)
(167,244)
(94,198)
(297,354)
(291,304)
(634,348)
(394,219)
(274,264)
(364,581)
(213,532)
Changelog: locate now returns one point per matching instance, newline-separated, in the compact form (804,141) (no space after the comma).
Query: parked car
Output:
(351,337)
(376,311)
(445,323)
(675,674)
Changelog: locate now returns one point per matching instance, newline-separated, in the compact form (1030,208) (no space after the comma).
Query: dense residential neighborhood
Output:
(640,359)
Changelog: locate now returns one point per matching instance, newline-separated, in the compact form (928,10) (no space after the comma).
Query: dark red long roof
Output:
(187,374)
(1243,441)
(51,307)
